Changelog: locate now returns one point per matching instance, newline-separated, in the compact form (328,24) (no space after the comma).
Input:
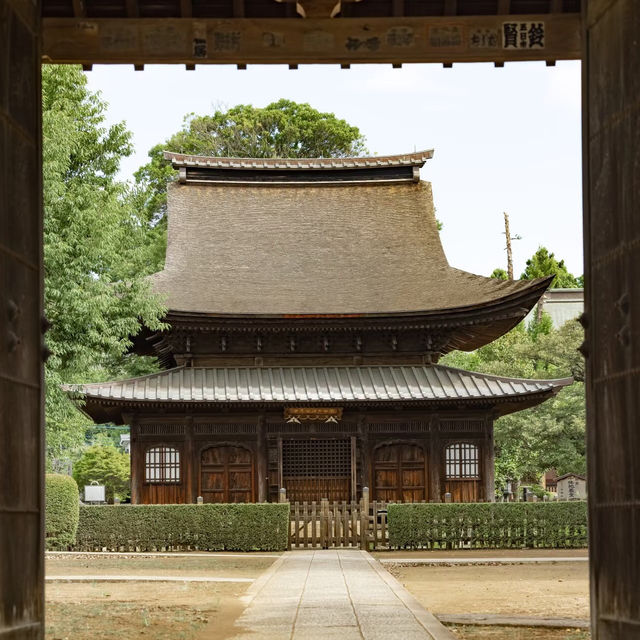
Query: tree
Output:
(283,129)
(499,274)
(543,264)
(95,295)
(104,465)
(551,435)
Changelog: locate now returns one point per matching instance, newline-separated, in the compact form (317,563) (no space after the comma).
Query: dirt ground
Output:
(516,633)
(162,611)
(484,553)
(249,566)
(553,590)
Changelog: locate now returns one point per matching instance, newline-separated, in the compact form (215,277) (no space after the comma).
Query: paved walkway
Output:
(334,595)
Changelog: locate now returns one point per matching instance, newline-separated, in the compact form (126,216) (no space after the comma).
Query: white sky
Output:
(505,139)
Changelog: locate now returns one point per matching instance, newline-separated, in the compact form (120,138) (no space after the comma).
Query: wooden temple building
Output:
(309,303)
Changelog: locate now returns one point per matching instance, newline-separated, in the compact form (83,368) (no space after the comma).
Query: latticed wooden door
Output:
(316,469)
(400,473)
(226,474)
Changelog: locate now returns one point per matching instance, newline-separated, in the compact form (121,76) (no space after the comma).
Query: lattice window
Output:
(162,465)
(316,458)
(462,461)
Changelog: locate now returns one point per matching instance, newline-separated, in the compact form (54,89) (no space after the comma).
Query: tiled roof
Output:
(316,384)
(415,159)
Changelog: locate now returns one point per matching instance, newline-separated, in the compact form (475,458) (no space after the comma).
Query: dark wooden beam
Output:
(133,10)
(398,8)
(450,7)
(313,40)
(186,8)
(79,9)
(238,8)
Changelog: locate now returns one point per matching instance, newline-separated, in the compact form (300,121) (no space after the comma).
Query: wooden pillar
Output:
(137,463)
(354,468)
(611,197)
(261,448)
(488,462)
(280,469)
(189,462)
(435,462)
(21,325)
(365,452)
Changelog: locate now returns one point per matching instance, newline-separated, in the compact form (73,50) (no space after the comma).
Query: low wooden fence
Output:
(327,525)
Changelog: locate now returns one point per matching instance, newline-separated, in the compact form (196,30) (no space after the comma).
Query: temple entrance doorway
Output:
(400,473)
(226,474)
(316,469)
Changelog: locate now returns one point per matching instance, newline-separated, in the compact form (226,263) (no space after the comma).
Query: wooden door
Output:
(226,474)
(400,473)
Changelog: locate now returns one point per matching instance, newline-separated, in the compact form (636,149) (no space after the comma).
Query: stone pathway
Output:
(334,595)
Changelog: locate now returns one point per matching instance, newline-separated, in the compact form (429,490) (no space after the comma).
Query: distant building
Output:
(561,304)
(572,486)
(550,481)
(125,442)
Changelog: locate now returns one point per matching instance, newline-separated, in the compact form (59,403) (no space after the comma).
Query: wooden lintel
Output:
(242,41)
(398,8)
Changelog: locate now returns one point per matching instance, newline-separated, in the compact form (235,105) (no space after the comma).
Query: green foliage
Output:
(499,274)
(95,295)
(206,527)
(105,465)
(61,511)
(543,264)
(282,129)
(551,435)
(485,525)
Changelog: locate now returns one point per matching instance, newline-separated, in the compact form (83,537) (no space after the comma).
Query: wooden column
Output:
(189,462)
(365,453)
(261,448)
(488,462)
(137,466)
(611,171)
(21,312)
(435,462)
(280,473)
(354,468)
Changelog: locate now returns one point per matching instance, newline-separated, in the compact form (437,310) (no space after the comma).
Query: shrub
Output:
(488,525)
(61,511)
(105,465)
(206,527)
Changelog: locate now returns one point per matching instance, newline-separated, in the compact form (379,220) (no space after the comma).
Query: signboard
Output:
(94,493)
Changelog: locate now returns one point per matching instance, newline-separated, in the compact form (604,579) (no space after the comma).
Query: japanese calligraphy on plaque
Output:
(400,37)
(445,37)
(226,40)
(523,35)
(484,39)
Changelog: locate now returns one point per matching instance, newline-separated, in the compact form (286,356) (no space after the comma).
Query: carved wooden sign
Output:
(313,414)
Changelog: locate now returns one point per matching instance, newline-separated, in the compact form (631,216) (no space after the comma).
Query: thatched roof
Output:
(367,246)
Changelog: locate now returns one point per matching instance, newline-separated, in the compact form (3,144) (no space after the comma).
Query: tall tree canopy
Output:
(283,129)
(543,263)
(95,296)
(551,435)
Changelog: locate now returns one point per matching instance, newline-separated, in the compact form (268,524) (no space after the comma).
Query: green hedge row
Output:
(488,525)
(62,503)
(206,527)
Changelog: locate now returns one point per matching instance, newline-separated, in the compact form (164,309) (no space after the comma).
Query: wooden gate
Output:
(400,472)
(326,525)
(226,474)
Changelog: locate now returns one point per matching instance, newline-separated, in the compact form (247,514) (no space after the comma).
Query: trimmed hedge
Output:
(206,527)
(501,525)
(62,503)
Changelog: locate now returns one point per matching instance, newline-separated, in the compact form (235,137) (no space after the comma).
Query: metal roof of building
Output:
(416,159)
(316,384)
